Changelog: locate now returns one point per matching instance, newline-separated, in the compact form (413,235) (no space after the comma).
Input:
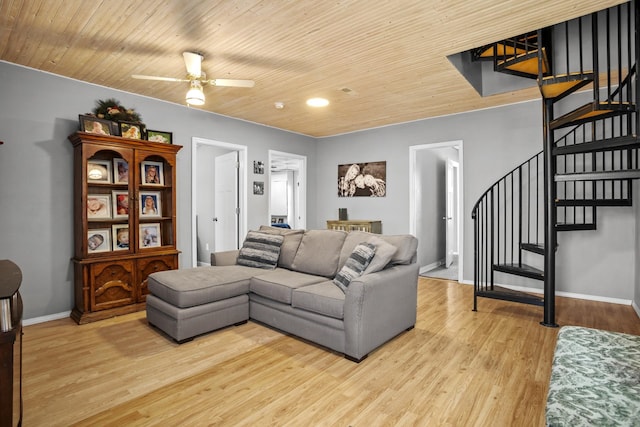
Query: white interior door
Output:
(226,202)
(450,212)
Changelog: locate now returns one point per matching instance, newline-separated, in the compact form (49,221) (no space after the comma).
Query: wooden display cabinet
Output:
(122,187)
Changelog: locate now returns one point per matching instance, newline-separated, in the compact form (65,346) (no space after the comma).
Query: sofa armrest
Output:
(225,257)
(378,307)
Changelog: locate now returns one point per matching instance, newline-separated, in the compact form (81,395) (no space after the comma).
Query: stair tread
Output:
(575,227)
(520,270)
(533,247)
(594,202)
(618,142)
(525,65)
(558,86)
(598,175)
(592,111)
(499,292)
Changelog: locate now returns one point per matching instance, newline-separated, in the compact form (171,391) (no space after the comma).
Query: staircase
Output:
(586,70)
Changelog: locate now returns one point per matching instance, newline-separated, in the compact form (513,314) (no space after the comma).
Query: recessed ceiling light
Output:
(317,102)
(279,105)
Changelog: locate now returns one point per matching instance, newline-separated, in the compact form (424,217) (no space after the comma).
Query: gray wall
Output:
(599,263)
(39,110)
(37,113)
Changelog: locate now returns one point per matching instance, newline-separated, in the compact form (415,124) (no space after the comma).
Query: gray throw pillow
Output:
(355,265)
(260,250)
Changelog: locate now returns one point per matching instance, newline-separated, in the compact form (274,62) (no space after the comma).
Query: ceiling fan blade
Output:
(193,62)
(232,82)
(164,79)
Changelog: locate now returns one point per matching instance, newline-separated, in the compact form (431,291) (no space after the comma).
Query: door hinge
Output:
(237,165)
(237,211)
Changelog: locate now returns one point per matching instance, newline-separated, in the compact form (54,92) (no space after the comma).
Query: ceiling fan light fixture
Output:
(195,95)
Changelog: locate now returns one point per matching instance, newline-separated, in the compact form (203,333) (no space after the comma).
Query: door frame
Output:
(242,188)
(301,190)
(413,226)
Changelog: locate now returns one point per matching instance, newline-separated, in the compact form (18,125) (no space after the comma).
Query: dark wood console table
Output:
(10,345)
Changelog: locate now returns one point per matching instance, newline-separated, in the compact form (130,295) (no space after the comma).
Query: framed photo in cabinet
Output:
(120,171)
(152,173)
(98,206)
(99,171)
(120,204)
(120,236)
(150,204)
(99,240)
(150,235)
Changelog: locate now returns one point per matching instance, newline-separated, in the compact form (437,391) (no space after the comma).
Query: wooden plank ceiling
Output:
(378,62)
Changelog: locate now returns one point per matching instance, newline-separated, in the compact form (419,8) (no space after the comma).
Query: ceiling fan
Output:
(197,79)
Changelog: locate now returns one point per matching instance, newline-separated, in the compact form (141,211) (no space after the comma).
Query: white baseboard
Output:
(431,266)
(47,318)
(206,264)
(636,308)
(566,294)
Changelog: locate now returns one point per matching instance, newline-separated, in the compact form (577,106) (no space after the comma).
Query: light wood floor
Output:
(456,368)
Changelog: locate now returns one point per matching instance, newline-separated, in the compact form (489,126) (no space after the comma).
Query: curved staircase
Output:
(590,149)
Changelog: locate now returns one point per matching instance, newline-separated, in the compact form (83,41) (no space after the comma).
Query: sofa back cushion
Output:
(407,248)
(405,245)
(292,239)
(319,252)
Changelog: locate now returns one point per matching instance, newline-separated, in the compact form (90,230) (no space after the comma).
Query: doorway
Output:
(287,189)
(219,197)
(436,206)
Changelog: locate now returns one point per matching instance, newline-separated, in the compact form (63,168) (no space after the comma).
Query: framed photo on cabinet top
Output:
(120,234)
(131,130)
(159,136)
(150,204)
(99,240)
(120,204)
(98,206)
(91,124)
(150,235)
(99,171)
(152,173)
(120,171)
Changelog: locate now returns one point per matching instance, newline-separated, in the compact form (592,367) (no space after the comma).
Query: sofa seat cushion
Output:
(279,284)
(322,298)
(201,285)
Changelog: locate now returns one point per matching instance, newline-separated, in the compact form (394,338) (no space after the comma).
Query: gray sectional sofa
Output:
(298,295)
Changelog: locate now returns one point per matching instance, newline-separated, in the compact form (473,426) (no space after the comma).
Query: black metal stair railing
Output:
(508,225)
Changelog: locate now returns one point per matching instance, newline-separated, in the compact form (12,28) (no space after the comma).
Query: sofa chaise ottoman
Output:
(304,283)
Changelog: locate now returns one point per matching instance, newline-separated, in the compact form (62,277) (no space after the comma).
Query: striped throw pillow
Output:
(355,265)
(260,250)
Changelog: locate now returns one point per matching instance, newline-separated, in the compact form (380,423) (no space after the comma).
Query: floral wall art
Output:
(362,179)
